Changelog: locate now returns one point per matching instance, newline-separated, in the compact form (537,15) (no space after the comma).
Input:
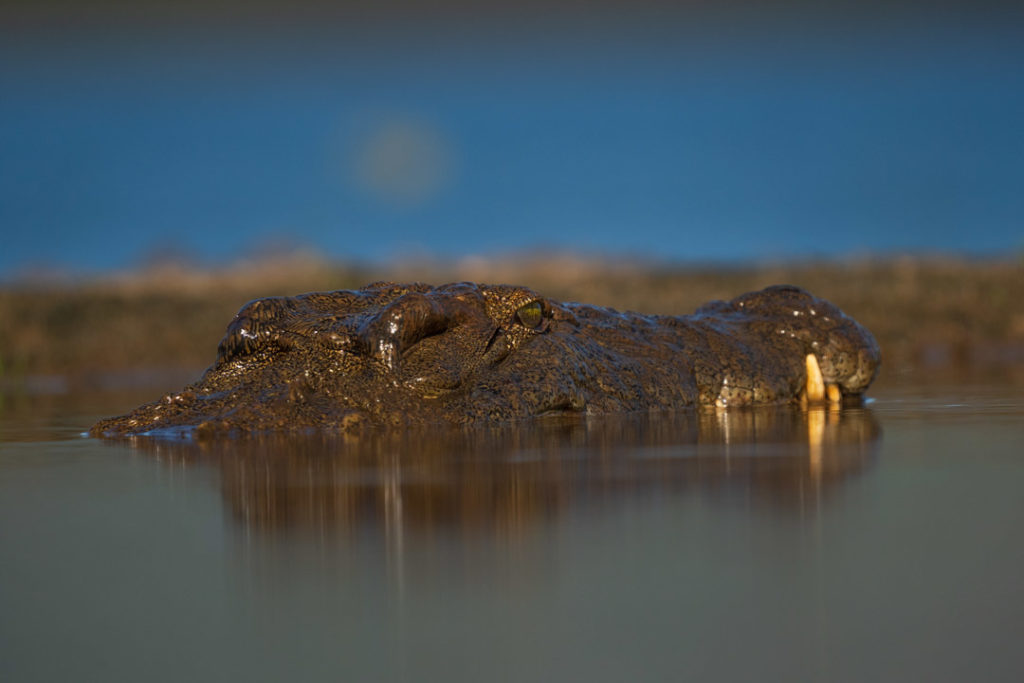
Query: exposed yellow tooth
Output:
(815,382)
(835,396)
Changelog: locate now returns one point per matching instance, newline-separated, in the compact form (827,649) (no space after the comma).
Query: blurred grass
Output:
(930,315)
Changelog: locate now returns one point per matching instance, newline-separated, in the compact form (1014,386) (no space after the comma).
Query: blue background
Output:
(682,137)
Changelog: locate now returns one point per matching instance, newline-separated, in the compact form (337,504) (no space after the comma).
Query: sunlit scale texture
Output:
(411,353)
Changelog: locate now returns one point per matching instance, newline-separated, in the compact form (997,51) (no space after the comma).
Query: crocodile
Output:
(403,354)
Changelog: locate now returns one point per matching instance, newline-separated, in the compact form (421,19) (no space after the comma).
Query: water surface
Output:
(874,544)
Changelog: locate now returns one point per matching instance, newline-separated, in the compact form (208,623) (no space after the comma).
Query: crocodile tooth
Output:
(815,383)
(835,396)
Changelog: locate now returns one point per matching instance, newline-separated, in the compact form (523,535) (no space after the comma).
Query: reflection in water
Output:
(503,479)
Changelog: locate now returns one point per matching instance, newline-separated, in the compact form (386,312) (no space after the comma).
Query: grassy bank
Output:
(929,315)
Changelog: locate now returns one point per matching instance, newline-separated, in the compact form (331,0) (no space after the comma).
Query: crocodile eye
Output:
(530,315)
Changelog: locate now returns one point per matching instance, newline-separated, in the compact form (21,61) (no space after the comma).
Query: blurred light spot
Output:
(403,162)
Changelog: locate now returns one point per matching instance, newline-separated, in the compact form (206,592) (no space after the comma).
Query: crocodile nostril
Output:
(257,326)
(239,340)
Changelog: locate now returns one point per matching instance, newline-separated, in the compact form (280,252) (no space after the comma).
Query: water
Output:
(877,544)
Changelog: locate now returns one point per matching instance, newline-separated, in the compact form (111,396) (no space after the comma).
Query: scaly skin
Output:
(413,354)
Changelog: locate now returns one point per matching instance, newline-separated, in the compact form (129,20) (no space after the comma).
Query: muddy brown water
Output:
(880,543)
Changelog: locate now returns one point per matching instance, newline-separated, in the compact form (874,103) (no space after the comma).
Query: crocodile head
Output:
(411,353)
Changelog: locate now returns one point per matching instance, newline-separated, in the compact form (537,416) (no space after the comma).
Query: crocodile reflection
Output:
(508,477)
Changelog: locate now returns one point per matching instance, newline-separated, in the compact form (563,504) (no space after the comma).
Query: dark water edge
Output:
(873,544)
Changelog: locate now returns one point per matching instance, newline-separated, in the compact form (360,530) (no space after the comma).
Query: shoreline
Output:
(939,316)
